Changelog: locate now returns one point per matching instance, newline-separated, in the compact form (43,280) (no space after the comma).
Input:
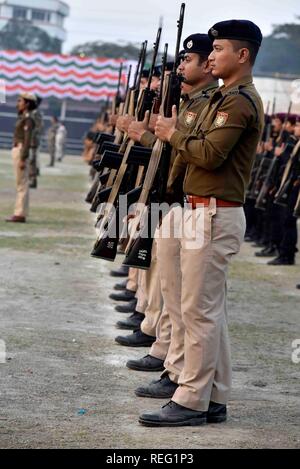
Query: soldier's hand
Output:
(113,119)
(166,126)
(152,122)
(137,128)
(123,122)
(268,146)
(22,164)
(278,150)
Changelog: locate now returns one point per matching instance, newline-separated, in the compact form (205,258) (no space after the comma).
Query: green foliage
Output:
(17,35)
(280,52)
(107,49)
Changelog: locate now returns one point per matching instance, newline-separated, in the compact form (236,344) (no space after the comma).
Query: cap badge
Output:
(189,44)
(214,32)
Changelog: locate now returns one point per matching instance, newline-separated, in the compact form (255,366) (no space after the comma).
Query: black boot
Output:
(128,307)
(137,339)
(147,363)
(121,272)
(158,389)
(120,286)
(125,295)
(267,252)
(280,260)
(133,322)
(173,415)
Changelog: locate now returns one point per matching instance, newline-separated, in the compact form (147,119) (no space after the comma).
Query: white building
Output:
(48,15)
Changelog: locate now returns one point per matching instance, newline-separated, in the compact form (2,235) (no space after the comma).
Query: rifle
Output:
(158,99)
(139,247)
(110,216)
(288,178)
(117,98)
(272,173)
(297,207)
(107,246)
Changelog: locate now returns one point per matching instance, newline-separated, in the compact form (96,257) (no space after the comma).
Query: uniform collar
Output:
(199,90)
(246,80)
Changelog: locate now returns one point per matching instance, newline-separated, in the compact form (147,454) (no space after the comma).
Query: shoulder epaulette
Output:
(247,96)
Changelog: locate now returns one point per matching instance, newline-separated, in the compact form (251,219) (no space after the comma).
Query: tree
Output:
(280,51)
(17,35)
(107,49)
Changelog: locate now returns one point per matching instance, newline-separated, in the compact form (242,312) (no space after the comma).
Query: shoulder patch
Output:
(189,118)
(221,119)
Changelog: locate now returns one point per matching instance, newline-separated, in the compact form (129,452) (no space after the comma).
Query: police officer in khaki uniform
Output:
(197,86)
(219,155)
(20,153)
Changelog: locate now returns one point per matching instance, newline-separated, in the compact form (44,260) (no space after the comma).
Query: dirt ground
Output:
(64,383)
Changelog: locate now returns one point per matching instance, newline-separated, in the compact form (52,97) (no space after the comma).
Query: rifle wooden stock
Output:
(297,207)
(287,180)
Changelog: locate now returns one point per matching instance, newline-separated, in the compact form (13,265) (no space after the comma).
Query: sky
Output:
(138,20)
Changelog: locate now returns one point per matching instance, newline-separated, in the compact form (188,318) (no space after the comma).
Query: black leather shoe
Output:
(216,413)
(267,252)
(173,415)
(147,363)
(158,389)
(128,307)
(126,295)
(298,286)
(281,261)
(121,285)
(133,322)
(121,272)
(137,339)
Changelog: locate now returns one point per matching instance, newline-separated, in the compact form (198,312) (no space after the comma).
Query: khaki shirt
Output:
(190,108)
(23,133)
(221,149)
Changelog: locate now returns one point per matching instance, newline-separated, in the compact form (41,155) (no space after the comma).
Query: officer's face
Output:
(21,105)
(277,124)
(192,70)
(224,60)
(144,82)
(155,82)
(297,130)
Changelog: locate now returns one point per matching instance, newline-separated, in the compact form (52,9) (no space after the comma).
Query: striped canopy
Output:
(60,76)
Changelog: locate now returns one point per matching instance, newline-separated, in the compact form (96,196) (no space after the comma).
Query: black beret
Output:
(241,30)
(169,66)
(198,43)
(157,71)
(145,73)
(292,119)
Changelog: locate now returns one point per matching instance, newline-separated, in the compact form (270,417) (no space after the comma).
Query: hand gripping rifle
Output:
(110,217)
(139,247)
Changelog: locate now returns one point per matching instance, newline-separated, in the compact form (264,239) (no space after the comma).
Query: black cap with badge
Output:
(198,43)
(240,30)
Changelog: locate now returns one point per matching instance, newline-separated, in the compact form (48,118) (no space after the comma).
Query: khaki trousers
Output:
(160,347)
(132,282)
(193,264)
(22,183)
(153,295)
(141,292)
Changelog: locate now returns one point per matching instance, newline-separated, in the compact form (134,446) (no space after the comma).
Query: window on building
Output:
(19,13)
(41,15)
